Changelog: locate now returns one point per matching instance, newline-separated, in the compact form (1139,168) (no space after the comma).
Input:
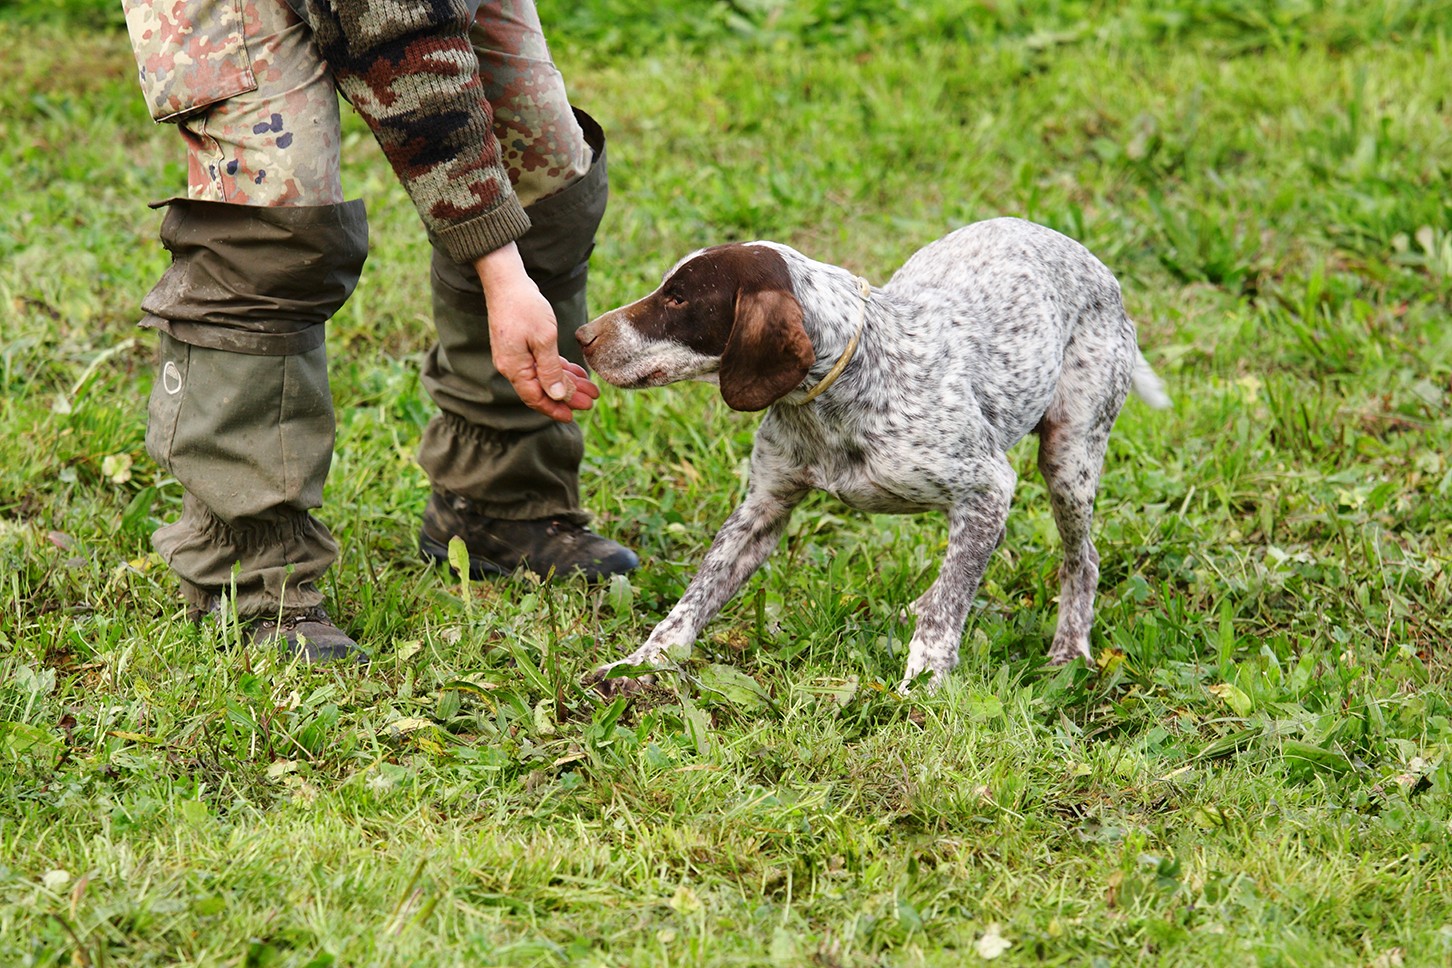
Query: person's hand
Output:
(525,339)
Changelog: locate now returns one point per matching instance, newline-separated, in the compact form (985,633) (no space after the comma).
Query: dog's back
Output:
(1016,310)
(994,250)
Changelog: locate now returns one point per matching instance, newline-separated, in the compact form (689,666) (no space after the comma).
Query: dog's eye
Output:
(674,301)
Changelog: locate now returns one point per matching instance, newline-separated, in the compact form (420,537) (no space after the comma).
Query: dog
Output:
(899,399)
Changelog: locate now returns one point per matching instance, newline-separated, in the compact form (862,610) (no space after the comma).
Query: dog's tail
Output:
(1151,388)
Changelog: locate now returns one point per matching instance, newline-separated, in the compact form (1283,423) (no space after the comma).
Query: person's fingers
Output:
(527,354)
(584,393)
(583,383)
(553,409)
(534,397)
(526,383)
(580,401)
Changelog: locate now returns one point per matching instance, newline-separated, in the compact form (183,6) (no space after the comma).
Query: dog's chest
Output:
(857,486)
(877,469)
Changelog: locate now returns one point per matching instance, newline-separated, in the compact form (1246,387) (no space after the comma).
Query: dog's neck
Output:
(836,305)
(844,359)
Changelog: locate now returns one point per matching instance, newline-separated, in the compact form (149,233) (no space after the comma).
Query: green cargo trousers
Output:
(265,249)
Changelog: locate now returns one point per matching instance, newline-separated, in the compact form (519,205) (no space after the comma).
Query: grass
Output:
(1256,772)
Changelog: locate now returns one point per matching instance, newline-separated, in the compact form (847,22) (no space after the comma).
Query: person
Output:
(510,182)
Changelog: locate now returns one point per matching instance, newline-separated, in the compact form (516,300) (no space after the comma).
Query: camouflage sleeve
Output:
(409,69)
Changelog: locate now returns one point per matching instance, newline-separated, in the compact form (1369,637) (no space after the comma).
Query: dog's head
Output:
(725,315)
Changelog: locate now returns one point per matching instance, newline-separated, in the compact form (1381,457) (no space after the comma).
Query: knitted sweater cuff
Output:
(465,242)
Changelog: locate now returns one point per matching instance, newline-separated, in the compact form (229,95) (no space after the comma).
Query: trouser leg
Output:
(240,412)
(263,253)
(506,479)
(485,445)
(277,145)
(541,144)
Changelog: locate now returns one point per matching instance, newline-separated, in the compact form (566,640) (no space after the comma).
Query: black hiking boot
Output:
(546,546)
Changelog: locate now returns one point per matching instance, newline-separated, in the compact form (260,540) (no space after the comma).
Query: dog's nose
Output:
(586,335)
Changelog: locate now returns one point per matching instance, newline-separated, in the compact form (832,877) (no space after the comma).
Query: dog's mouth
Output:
(626,378)
(650,378)
(607,367)
(629,369)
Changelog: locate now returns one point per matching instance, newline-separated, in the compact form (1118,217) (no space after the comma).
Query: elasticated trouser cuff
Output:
(277,564)
(486,445)
(526,476)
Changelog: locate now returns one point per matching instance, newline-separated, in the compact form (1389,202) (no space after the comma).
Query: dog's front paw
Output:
(620,678)
(928,664)
(921,683)
(921,677)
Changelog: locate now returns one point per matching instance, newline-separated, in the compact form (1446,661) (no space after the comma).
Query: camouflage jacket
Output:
(407,67)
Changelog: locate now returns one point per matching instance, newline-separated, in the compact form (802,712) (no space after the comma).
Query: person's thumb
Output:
(557,384)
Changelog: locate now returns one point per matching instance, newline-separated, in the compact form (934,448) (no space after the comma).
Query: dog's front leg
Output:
(742,544)
(975,527)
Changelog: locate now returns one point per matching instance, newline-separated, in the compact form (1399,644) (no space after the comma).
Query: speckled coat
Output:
(1000,329)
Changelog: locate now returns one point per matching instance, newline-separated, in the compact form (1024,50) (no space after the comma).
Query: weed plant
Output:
(1255,771)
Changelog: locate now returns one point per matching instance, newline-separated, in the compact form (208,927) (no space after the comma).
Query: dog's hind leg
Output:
(1071,458)
(975,527)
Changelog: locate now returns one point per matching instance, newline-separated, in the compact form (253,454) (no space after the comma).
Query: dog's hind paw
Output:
(1062,652)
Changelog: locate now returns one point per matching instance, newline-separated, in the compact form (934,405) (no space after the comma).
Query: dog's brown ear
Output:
(768,352)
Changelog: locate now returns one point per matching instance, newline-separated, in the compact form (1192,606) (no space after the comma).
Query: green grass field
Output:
(1258,771)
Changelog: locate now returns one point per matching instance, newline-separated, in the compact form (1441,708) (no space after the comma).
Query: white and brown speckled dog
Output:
(898,399)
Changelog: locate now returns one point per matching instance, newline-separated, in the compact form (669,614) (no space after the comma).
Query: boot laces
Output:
(315,614)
